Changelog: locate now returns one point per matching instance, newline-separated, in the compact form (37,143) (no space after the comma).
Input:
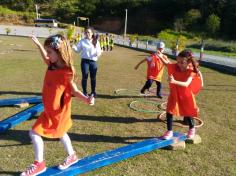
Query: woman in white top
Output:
(89,49)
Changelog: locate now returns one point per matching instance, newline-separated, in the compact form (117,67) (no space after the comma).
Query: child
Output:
(55,120)
(183,85)
(155,69)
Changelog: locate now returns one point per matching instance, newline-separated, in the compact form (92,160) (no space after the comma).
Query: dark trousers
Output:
(88,66)
(148,84)
(169,118)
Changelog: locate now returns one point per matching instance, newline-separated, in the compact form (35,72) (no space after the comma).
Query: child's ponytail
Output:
(195,64)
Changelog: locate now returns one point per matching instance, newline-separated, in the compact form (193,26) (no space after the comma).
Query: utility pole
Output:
(88,21)
(126,11)
(37,13)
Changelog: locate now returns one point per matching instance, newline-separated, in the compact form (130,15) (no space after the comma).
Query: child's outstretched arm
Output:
(180,83)
(77,93)
(142,61)
(41,49)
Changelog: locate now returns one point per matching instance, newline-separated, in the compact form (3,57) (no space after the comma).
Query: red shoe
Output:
(35,169)
(71,159)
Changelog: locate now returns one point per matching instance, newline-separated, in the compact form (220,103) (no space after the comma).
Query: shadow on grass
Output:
(8,173)
(103,138)
(23,138)
(127,120)
(223,88)
(221,85)
(20,136)
(115,96)
(20,93)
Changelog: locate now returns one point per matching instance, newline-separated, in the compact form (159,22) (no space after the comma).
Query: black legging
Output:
(148,84)
(169,118)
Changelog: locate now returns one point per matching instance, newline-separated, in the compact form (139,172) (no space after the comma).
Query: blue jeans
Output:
(88,66)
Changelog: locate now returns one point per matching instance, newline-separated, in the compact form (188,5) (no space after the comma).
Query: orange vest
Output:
(181,101)
(55,120)
(155,68)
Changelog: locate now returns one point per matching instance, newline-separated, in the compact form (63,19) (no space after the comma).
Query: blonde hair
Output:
(62,47)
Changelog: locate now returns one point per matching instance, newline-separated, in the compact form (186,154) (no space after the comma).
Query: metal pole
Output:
(202,49)
(36,8)
(88,22)
(125,22)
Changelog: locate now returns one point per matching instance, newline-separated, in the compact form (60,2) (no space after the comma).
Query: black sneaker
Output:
(159,96)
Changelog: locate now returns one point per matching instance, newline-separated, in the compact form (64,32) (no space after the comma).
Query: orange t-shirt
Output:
(55,120)
(155,68)
(181,101)
(196,84)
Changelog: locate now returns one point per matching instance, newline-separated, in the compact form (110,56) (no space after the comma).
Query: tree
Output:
(191,19)
(213,24)
(228,27)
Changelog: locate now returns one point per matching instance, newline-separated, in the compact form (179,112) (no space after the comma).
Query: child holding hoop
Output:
(155,69)
(185,81)
(55,120)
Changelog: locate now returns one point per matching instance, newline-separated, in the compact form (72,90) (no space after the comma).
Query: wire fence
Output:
(221,63)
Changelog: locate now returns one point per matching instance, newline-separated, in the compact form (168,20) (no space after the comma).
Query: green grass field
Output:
(111,123)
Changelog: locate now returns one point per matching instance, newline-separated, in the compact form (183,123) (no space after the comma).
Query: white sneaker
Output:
(167,135)
(191,133)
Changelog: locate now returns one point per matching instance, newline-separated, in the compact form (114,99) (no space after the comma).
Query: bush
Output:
(63,25)
(133,38)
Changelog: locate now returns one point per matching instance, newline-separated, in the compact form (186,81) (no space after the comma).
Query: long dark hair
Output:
(94,37)
(188,54)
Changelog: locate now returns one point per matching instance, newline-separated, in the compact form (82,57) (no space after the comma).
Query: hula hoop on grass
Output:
(162,117)
(134,92)
(133,105)
(163,105)
(153,91)
(127,92)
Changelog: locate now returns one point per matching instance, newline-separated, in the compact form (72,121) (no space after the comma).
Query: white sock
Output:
(38,146)
(67,144)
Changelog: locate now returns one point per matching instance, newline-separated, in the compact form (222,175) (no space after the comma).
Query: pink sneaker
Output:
(71,159)
(35,169)
(167,135)
(191,133)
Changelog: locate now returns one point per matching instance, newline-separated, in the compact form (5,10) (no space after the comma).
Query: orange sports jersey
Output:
(181,101)
(155,68)
(55,120)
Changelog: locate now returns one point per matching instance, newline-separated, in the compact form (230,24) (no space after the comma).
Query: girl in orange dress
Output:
(184,82)
(155,68)
(55,120)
